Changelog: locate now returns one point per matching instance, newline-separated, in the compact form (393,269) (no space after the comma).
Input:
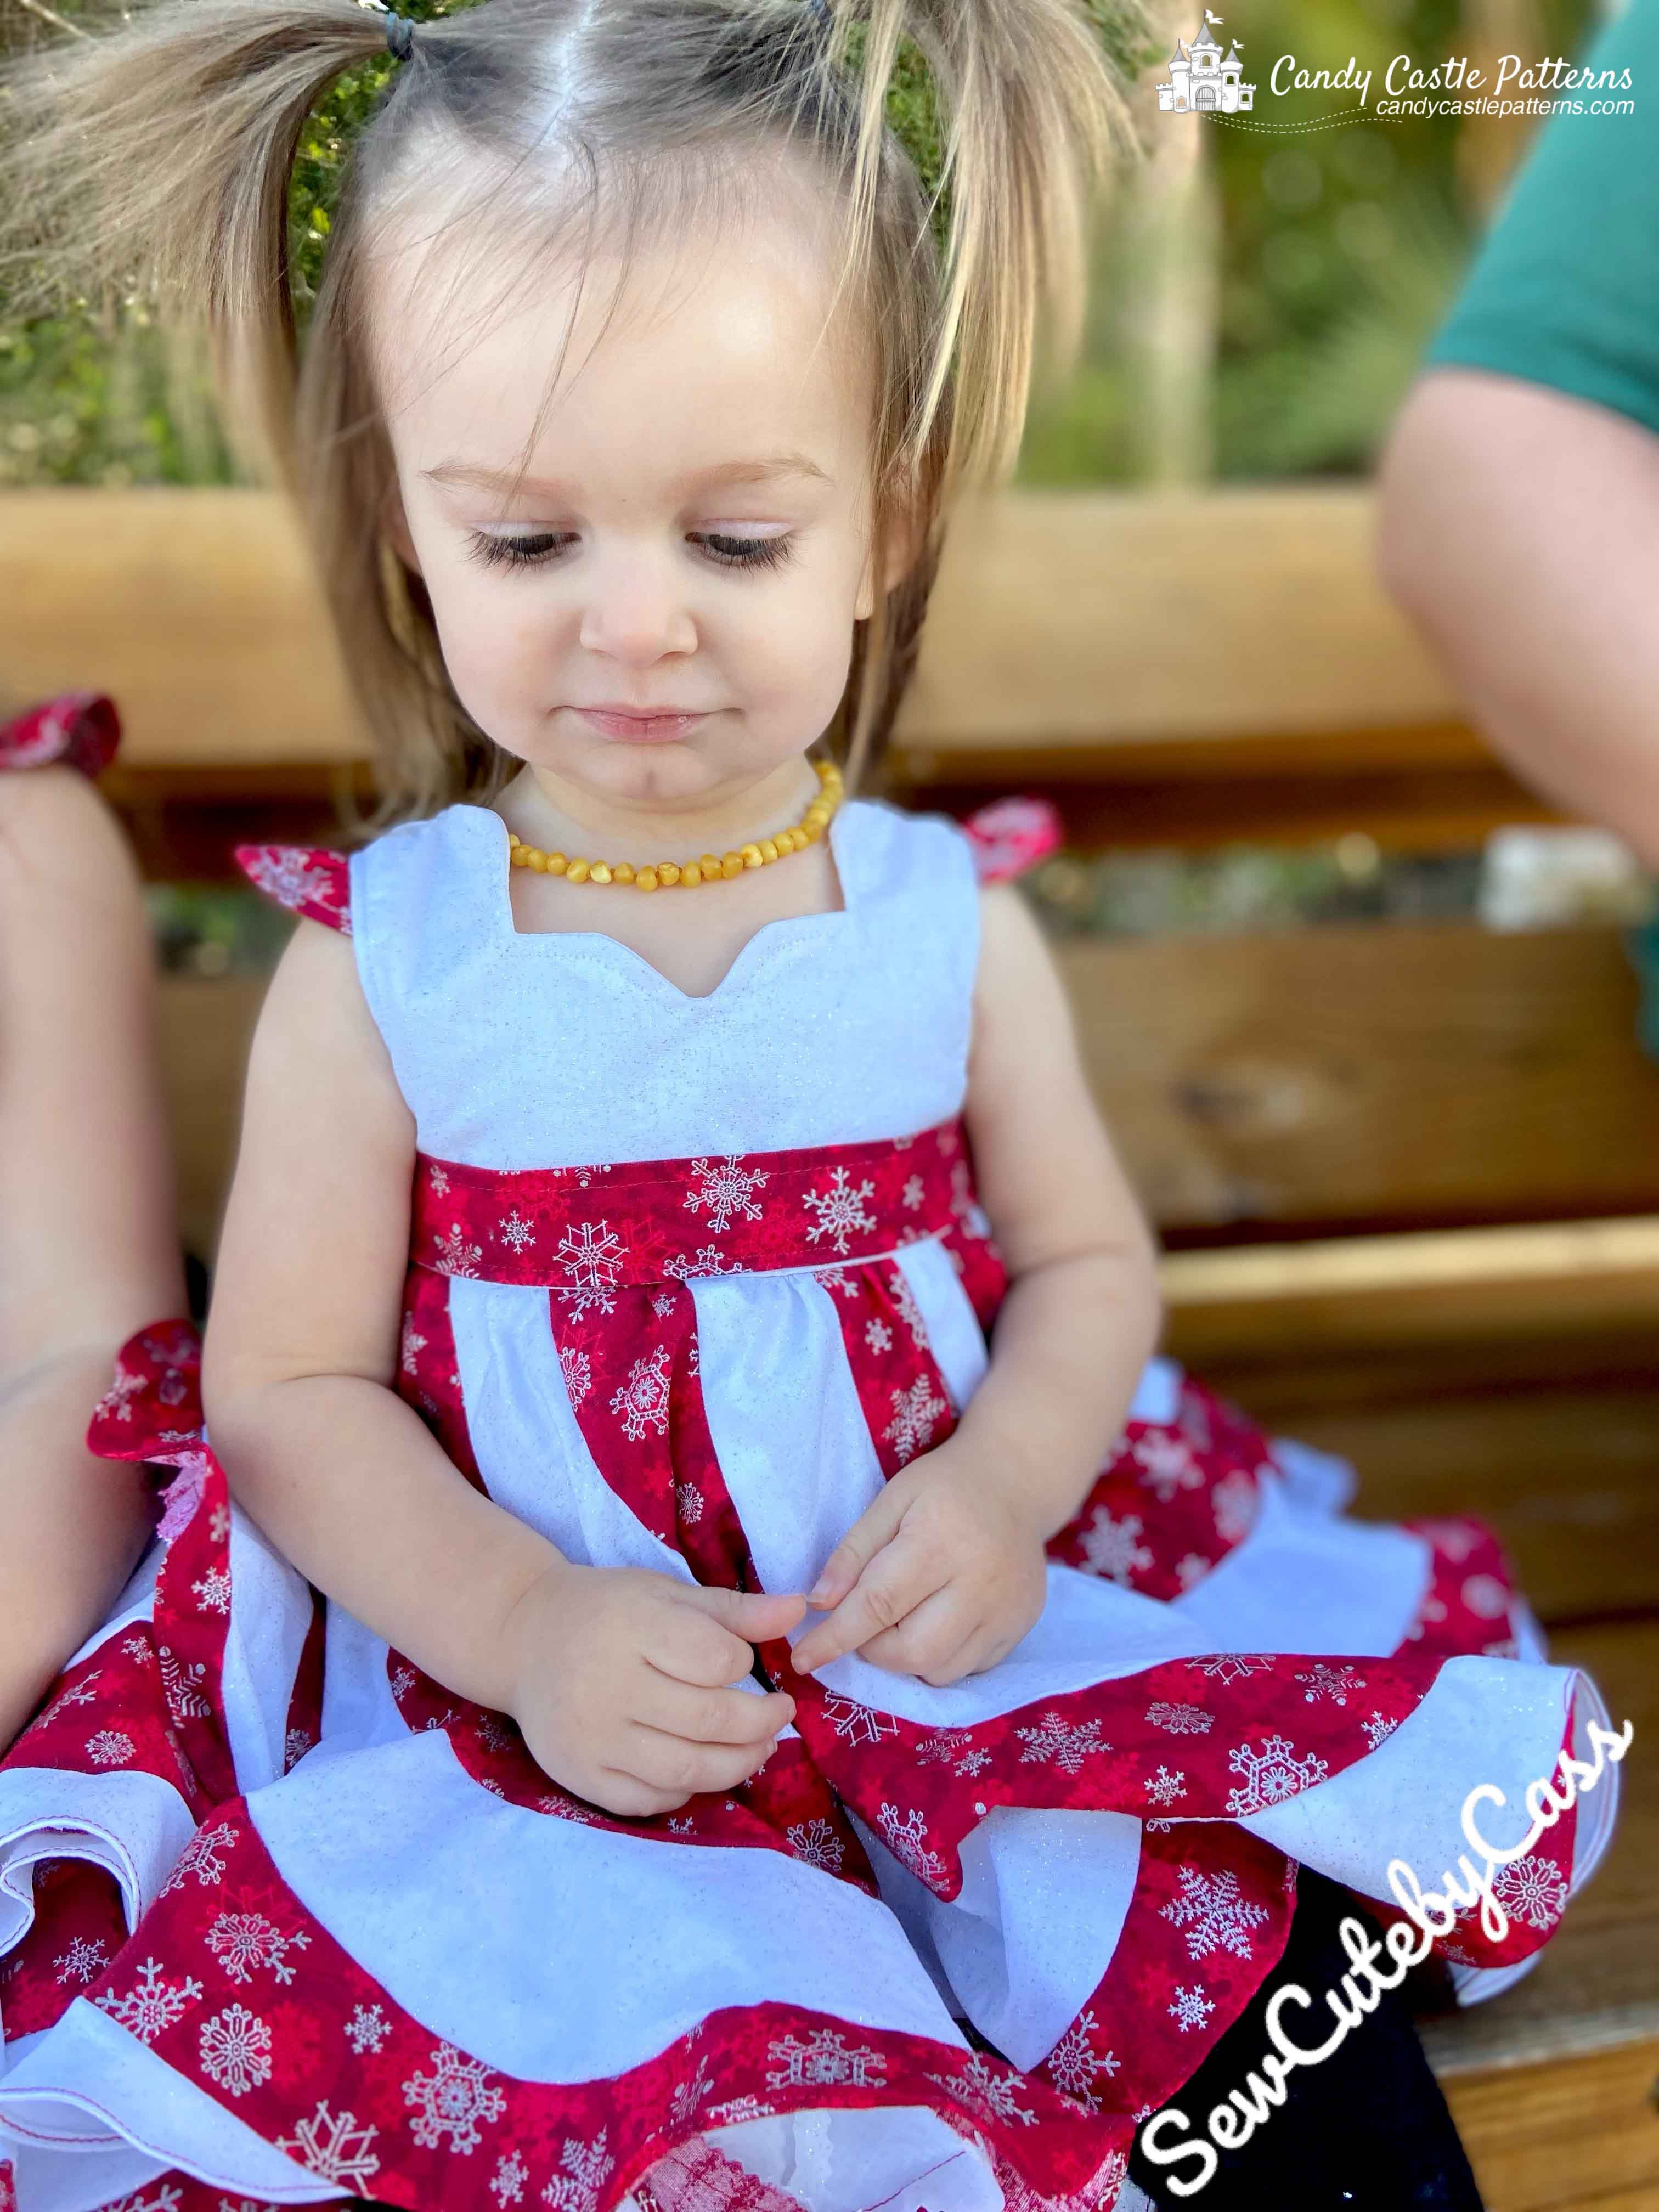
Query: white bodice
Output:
(566,1048)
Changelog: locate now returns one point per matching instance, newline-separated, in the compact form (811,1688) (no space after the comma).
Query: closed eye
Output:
(538,549)
(518,552)
(745,552)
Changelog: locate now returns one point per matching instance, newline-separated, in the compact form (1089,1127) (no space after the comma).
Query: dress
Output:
(690,1278)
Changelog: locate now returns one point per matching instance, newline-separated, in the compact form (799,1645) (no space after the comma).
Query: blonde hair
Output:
(165,146)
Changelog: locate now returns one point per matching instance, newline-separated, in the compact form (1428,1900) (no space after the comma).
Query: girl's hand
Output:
(940,1579)
(621,1680)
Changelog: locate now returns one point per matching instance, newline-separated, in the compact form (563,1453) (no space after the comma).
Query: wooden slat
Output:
(1062,619)
(1367,1075)
(196,609)
(205,1026)
(1579,1278)
(1575,2136)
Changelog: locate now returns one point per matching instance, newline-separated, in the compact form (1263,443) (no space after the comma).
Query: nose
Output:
(635,613)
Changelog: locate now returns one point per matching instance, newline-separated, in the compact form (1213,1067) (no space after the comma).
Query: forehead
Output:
(726,338)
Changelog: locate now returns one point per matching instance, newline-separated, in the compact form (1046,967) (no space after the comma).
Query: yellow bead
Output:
(690,876)
(815,815)
(519,857)
(537,861)
(578,871)
(555,864)
(622,873)
(768,848)
(731,865)
(511,838)
(645,880)
(709,863)
(668,871)
(599,873)
(797,838)
(814,831)
(751,857)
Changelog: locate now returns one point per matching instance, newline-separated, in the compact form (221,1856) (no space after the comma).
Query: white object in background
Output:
(1538,878)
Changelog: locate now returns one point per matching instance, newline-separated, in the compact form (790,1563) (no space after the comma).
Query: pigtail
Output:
(158,154)
(1031,115)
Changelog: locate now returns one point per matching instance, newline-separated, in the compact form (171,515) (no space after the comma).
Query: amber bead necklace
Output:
(711,868)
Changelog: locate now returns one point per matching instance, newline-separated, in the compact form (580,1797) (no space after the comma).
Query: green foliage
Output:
(1341,249)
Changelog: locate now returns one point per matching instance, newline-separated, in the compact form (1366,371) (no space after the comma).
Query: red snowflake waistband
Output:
(638,1222)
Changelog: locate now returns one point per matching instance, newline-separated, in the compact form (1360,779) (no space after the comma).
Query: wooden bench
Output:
(1408,1175)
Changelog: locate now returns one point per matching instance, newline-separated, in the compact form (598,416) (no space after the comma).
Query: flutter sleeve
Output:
(305,879)
(1012,836)
(81,728)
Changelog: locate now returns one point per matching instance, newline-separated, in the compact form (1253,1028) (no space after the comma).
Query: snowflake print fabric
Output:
(82,729)
(308,881)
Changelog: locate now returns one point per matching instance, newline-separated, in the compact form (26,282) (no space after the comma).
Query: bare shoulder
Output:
(315,1033)
(1017,979)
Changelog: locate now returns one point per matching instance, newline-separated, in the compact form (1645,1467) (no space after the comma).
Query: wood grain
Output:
(1575,2136)
(204,1029)
(1062,619)
(1367,1074)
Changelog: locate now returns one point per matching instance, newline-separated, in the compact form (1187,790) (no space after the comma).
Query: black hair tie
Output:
(399,37)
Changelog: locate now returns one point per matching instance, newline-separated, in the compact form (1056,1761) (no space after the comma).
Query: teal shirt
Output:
(1566,290)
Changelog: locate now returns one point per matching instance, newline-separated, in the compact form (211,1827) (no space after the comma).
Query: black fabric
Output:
(1365,2130)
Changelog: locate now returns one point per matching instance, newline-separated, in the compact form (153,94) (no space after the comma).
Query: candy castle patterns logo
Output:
(1200,78)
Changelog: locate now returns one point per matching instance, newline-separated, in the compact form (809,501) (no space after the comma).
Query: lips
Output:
(659,727)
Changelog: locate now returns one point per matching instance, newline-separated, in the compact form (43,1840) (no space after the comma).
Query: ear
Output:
(394,526)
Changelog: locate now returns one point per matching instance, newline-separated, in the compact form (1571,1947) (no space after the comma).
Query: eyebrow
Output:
(767,471)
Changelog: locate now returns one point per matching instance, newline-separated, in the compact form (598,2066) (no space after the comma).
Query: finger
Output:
(755,1615)
(674,1762)
(869,1534)
(892,1585)
(630,1799)
(680,1641)
(712,1715)
(926,1641)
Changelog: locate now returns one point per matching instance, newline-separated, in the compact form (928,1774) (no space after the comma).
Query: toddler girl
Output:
(744,1750)
(86,1244)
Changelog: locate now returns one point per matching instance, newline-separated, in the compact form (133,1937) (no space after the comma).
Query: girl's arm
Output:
(617,1678)
(945,1573)
(88,1248)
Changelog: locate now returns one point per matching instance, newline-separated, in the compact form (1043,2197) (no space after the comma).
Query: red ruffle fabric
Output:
(81,728)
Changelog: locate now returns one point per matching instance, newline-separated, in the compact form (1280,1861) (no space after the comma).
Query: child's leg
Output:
(1365,2130)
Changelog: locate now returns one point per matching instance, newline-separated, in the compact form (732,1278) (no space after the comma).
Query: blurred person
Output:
(87,1250)
(1520,486)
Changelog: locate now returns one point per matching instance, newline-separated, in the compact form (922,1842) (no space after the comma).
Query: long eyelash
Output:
(513,552)
(746,552)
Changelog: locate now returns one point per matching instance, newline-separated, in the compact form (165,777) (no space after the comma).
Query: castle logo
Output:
(1200,79)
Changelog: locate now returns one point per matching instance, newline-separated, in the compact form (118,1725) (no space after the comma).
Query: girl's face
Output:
(656,611)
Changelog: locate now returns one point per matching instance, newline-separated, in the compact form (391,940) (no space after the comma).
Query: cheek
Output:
(796,654)
(494,641)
